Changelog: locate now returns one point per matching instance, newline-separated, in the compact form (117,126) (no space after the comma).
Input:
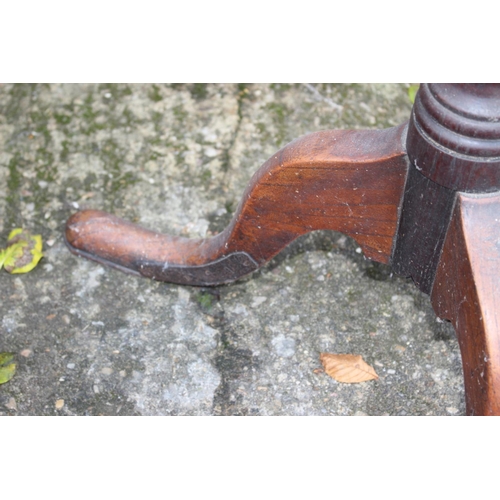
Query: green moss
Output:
(199,91)
(180,113)
(154,155)
(263,132)
(179,156)
(230,206)
(353,295)
(89,116)
(34,143)
(115,180)
(206,176)
(62,119)
(225,158)
(154,93)
(46,169)
(65,151)
(279,112)
(14,108)
(243,93)
(39,120)
(156,118)
(129,117)
(89,182)
(13,187)
(14,179)
(205,300)
(281,87)
(117,90)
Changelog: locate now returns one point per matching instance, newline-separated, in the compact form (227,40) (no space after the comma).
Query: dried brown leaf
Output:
(347,368)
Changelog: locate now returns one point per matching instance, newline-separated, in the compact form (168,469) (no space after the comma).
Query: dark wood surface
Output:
(453,144)
(347,180)
(425,216)
(454,135)
(467,292)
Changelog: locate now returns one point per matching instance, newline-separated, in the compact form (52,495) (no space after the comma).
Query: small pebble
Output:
(211,152)
(107,371)
(391,372)
(70,366)
(11,404)
(26,353)
(284,346)
(257,301)
(59,404)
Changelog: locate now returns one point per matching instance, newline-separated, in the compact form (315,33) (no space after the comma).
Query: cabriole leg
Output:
(346,180)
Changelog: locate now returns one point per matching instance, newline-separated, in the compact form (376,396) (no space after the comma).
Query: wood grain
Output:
(467,292)
(346,180)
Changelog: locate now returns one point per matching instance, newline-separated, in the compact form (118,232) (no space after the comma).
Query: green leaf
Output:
(7,372)
(5,357)
(23,252)
(412,92)
(11,255)
(7,369)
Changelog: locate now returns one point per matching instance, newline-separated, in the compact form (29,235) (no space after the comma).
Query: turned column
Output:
(448,238)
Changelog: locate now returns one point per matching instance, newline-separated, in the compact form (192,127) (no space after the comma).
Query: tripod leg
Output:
(466,291)
(347,180)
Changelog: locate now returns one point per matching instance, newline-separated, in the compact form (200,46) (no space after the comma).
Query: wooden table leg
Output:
(467,292)
(344,180)
(444,231)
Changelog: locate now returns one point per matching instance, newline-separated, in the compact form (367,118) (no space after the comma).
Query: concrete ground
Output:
(90,340)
